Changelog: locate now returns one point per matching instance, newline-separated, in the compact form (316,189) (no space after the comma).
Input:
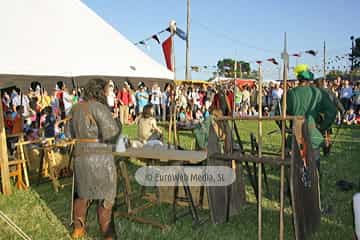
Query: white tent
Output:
(41,39)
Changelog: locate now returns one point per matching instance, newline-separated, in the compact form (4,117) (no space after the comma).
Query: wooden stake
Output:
(260,155)
(22,157)
(4,161)
(283,139)
(172,99)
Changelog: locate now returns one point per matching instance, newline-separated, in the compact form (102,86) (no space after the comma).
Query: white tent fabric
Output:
(65,38)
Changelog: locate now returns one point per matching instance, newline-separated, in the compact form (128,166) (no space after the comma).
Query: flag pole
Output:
(283,138)
(260,156)
(187,72)
(324,62)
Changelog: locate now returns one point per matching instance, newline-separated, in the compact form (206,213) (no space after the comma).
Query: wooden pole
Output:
(172,29)
(260,156)
(4,161)
(283,138)
(324,62)
(187,72)
(234,91)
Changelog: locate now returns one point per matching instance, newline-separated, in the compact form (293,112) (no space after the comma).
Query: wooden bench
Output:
(17,163)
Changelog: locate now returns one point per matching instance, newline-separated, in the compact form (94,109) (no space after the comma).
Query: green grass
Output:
(44,214)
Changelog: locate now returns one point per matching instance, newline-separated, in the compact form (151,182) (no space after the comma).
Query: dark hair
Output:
(60,84)
(147,111)
(18,91)
(94,90)
(19,107)
(47,110)
(34,85)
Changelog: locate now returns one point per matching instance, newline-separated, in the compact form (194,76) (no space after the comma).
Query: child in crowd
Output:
(8,122)
(18,121)
(49,122)
(266,112)
(182,115)
(147,127)
(350,117)
(189,114)
(253,111)
(199,117)
(205,112)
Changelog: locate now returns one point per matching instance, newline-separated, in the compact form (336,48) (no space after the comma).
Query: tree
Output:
(226,68)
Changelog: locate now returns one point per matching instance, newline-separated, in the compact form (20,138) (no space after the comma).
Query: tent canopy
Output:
(44,39)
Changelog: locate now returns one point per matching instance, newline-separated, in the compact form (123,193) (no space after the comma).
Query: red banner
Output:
(167,49)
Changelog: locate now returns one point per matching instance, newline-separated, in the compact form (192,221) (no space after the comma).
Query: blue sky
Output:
(243,29)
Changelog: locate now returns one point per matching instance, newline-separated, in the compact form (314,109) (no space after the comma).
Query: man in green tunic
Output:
(315,105)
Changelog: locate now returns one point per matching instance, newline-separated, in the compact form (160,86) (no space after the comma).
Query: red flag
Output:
(167,49)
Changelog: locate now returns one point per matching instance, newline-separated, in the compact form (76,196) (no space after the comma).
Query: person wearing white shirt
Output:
(276,94)
(17,101)
(67,98)
(155,100)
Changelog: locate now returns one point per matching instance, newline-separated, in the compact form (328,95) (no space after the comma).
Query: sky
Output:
(246,30)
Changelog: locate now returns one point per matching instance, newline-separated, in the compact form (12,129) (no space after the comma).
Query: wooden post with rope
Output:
(285,57)
(260,156)
(4,161)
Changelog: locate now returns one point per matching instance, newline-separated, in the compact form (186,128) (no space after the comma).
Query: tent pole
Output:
(4,161)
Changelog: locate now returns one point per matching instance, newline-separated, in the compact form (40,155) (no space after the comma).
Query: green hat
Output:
(302,72)
(306,75)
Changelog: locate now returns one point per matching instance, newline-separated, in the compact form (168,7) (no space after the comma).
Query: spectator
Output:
(276,94)
(350,117)
(165,101)
(189,114)
(356,97)
(59,93)
(147,128)
(238,98)
(67,99)
(142,98)
(18,121)
(21,99)
(6,100)
(346,94)
(155,100)
(245,96)
(110,95)
(45,100)
(49,123)
(124,100)
(182,115)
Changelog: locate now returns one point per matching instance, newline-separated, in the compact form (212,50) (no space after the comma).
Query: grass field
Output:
(44,214)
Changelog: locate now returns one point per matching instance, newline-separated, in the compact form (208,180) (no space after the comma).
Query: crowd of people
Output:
(37,113)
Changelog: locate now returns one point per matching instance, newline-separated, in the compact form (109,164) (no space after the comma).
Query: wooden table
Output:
(162,155)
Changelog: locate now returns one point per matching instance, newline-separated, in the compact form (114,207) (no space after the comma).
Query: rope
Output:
(20,232)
